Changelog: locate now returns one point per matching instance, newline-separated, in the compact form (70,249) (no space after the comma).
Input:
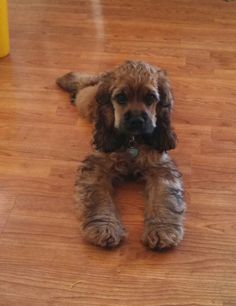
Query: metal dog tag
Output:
(133,151)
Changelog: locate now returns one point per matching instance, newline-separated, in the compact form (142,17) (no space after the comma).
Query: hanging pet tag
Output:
(133,151)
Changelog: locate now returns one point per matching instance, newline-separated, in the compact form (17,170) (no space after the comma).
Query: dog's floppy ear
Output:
(103,96)
(163,137)
(106,137)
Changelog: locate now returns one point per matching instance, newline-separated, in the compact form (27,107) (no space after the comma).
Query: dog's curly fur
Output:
(111,161)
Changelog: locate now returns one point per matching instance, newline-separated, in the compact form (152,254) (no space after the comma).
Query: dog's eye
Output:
(150,98)
(121,98)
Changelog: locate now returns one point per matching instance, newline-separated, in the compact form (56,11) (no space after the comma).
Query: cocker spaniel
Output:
(131,108)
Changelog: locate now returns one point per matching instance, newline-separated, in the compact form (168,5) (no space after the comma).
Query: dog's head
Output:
(134,99)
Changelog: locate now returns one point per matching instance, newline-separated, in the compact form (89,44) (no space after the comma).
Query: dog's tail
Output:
(73,82)
(82,89)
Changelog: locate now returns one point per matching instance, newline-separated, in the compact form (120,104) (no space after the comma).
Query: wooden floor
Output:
(42,141)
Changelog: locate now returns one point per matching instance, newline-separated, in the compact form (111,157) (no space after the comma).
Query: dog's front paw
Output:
(159,236)
(104,233)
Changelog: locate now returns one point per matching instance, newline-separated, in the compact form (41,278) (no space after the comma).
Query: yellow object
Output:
(4,32)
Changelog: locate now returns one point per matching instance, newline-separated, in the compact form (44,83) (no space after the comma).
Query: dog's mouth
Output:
(146,128)
(136,123)
(136,132)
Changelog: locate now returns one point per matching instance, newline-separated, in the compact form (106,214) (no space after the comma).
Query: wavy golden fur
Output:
(131,108)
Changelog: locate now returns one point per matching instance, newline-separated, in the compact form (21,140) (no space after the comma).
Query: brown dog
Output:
(131,108)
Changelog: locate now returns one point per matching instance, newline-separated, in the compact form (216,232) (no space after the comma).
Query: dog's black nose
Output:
(136,123)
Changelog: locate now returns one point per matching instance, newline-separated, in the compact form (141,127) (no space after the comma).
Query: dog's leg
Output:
(99,219)
(82,89)
(85,102)
(164,207)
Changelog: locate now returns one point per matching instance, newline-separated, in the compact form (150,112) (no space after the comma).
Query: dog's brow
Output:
(117,91)
(154,92)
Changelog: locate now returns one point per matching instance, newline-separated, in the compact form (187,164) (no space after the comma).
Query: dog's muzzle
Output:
(137,123)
